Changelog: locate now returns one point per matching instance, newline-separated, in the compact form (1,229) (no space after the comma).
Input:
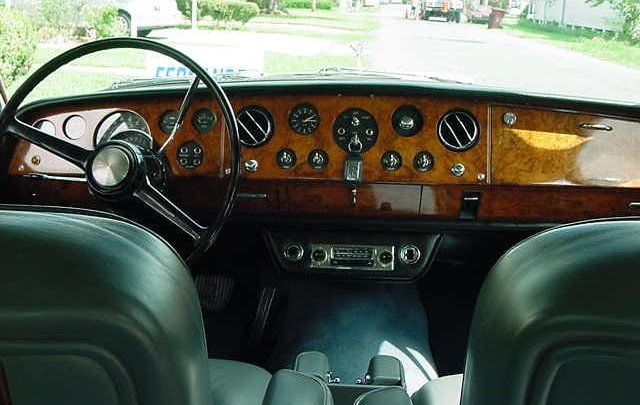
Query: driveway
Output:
(494,57)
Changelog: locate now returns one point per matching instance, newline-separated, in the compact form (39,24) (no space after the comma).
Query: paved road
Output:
(494,57)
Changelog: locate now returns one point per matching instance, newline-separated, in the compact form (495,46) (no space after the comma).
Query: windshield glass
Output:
(574,48)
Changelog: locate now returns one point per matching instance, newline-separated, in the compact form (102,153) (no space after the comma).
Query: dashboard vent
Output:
(255,126)
(458,130)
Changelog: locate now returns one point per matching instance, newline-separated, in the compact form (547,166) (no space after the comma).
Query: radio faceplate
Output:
(353,257)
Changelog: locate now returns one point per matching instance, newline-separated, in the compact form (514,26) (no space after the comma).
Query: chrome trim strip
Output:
(252,196)
(596,127)
(43,176)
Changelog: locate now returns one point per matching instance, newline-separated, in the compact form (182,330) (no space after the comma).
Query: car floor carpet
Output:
(351,322)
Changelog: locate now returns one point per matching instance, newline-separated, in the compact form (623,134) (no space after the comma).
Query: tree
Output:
(630,11)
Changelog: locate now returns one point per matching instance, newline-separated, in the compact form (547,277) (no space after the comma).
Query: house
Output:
(576,13)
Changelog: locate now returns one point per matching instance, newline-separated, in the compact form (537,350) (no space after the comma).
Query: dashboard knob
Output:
(391,160)
(251,165)
(355,145)
(458,169)
(319,255)
(423,161)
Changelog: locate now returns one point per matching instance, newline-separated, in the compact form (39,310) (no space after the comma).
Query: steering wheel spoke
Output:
(157,201)
(67,151)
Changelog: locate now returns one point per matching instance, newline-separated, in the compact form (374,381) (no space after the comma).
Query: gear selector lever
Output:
(353,174)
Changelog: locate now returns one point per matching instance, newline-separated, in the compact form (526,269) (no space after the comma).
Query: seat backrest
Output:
(558,320)
(95,310)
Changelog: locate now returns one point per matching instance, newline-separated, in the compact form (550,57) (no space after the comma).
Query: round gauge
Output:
(407,120)
(136,137)
(203,120)
(168,120)
(355,130)
(46,126)
(118,122)
(304,118)
(75,127)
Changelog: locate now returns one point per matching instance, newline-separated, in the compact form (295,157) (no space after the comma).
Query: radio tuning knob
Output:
(293,252)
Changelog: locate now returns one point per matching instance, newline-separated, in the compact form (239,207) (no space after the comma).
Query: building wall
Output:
(578,13)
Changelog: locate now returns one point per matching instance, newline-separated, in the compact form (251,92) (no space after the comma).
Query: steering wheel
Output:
(117,170)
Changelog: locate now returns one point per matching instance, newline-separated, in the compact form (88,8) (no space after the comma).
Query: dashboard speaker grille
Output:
(255,125)
(458,130)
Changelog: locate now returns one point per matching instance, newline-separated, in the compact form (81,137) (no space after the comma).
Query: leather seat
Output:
(97,310)
(557,321)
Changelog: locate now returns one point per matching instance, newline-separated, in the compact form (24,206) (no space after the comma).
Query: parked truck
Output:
(450,9)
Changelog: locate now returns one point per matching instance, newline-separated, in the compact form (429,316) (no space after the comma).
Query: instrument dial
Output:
(124,125)
(286,158)
(136,137)
(423,161)
(203,120)
(318,159)
(304,119)
(391,160)
(168,120)
(355,130)
(407,120)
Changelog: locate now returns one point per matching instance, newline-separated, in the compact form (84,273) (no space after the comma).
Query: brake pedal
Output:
(214,291)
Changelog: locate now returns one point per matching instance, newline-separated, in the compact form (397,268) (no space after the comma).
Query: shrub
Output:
(102,20)
(229,10)
(320,4)
(18,44)
(60,16)
(185,7)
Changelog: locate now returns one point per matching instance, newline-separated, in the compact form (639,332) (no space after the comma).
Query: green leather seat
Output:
(557,322)
(96,310)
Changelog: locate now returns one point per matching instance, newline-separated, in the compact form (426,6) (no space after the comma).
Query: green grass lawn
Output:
(275,62)
(69,83)
(335,19)
(596,44)
(329,24)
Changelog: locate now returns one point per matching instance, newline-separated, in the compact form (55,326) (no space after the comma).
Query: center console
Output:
(383,372)
(393,255)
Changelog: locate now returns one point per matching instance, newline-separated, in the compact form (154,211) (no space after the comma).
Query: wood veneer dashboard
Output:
(525,163)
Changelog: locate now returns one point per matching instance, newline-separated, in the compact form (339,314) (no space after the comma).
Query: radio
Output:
(352,257)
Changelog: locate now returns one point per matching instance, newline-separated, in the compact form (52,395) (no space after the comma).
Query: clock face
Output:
(304,119)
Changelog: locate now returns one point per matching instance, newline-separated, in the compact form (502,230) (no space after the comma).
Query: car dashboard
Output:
(363,151)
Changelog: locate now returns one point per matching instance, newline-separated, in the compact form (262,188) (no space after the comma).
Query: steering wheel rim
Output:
(10,124)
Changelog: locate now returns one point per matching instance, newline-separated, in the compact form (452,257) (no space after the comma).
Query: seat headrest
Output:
(102,309)
(288,387)
(562,301)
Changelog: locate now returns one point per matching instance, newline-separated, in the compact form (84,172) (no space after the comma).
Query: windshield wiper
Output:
(176,81)
(342,71)
(148,82)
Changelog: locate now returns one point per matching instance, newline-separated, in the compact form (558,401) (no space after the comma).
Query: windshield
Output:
(573,48)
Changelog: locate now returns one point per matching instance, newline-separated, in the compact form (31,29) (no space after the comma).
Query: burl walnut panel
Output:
(28,158)
(381,107)
(549,147)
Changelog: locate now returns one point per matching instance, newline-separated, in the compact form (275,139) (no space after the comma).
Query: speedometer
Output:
(118,122)
(355,130)
(135,137)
